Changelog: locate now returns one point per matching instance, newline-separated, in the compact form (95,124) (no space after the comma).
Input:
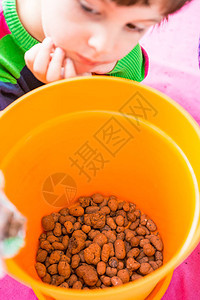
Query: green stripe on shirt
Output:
(131,66)
(11,60)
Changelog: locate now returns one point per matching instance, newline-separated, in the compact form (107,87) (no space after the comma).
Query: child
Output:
(67,38)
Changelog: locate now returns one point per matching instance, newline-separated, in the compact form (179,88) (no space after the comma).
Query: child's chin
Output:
(103,69)
(80,68)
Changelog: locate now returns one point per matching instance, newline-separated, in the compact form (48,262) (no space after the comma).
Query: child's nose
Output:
(101,43)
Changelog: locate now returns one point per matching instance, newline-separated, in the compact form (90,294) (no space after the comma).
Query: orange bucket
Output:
(44,168)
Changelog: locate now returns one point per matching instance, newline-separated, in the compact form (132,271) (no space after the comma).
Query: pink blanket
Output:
(173,51)
(174,70)
(184,285)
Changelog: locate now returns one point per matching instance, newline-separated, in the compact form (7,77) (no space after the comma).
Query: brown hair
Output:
(167,7)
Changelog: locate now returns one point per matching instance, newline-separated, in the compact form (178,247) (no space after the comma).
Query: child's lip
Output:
(87,61)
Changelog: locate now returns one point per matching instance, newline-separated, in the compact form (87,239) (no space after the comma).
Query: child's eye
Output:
(88,9)
(134,27)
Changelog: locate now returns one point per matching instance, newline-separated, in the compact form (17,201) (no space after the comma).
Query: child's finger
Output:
(30,56)
(55,66)
(2,180)
(43,58)
(69,69)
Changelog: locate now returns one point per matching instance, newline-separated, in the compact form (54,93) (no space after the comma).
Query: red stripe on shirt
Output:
(4,30)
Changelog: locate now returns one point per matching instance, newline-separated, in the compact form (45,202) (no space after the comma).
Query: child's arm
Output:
(15,78)
(8,93)
(10,90)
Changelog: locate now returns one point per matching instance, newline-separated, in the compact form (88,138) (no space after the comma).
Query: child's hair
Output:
(167,7)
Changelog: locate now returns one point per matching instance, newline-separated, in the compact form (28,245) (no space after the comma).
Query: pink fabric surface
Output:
(173,58)
(174,70)
(184,285)
(173,52)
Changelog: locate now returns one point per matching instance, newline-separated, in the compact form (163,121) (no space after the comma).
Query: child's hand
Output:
(12,228)
(48,63)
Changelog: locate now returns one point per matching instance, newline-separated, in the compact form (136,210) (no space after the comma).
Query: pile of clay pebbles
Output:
(98,243)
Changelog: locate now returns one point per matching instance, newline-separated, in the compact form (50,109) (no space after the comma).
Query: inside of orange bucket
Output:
(149,170)
(156,178)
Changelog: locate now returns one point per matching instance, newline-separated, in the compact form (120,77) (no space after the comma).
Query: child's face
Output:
(96,33)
